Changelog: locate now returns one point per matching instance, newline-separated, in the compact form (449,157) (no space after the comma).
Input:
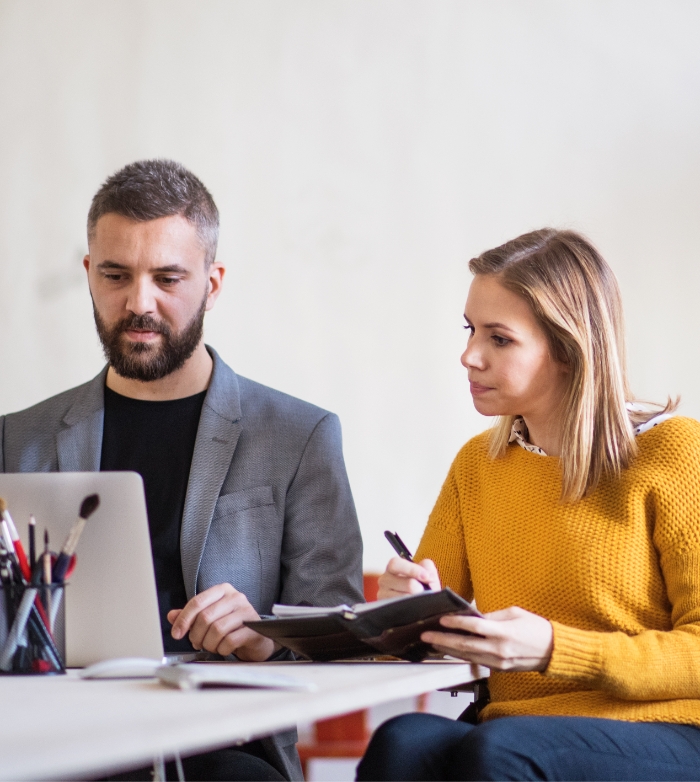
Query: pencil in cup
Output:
(26,643)
(28,646)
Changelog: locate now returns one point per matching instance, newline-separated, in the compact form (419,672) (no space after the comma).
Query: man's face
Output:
(150,289)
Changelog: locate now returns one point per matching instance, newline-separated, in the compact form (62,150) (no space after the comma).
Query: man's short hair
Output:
(149,189)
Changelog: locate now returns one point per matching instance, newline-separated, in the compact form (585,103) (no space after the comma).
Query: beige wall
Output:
(361,151)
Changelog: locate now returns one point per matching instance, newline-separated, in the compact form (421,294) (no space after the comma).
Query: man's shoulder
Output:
(49,411)
(267,415)
(258,400)
(236,397)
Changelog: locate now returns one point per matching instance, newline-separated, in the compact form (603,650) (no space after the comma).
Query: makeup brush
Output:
(16,541)
(87,508)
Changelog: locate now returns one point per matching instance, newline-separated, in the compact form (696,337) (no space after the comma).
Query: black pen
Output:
(32,543)
(401,549)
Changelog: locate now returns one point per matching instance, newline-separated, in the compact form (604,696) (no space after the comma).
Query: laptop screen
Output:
(111,606)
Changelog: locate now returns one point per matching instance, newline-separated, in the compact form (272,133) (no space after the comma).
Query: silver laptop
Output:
(111,605)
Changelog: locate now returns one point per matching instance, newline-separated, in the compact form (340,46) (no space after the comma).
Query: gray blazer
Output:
(268,506)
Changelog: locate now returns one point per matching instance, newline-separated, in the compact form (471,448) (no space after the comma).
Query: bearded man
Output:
(247,494)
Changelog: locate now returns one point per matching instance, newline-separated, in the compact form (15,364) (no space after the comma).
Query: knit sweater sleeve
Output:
(443,539)
(654,664)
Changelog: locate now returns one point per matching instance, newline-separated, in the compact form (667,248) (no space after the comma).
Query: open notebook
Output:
(392,626)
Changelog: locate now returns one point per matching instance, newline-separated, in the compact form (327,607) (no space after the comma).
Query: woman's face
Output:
(511,369)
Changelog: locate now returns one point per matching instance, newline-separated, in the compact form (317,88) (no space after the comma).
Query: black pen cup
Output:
(31,621)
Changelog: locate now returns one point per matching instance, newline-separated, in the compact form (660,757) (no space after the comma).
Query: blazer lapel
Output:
(79,445)
(217,436)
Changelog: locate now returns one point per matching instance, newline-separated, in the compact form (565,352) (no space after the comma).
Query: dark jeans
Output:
(243,763)
(428,747)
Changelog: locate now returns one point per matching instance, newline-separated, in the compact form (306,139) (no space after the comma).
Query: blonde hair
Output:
(575,298)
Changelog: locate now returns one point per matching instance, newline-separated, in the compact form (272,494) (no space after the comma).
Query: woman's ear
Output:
(559,355)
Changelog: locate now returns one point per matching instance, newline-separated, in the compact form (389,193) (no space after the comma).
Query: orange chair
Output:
(346,736)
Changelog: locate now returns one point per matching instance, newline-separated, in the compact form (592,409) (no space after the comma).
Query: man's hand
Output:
(509,640)
(403,578)
(214,620)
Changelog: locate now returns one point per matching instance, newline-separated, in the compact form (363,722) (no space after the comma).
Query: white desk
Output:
(62,726)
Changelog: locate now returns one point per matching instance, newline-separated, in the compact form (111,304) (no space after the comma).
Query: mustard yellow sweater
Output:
(617,574)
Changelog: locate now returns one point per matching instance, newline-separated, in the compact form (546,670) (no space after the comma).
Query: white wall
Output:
(360,151)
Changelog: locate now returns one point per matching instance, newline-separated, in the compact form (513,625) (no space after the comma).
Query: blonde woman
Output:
(575,524)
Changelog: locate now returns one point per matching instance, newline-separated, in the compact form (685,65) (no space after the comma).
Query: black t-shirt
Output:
(156,440)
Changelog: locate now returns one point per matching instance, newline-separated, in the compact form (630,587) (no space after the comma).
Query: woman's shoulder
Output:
(678,427)
(670,440)
(475,449)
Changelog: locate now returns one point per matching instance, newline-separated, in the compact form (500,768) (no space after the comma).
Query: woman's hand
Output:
(403,577)
(510,640)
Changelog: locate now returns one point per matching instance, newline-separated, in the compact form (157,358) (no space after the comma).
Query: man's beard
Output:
(143,361)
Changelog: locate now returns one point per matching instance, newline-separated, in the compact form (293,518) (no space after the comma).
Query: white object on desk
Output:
(122,668)
(192,676)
